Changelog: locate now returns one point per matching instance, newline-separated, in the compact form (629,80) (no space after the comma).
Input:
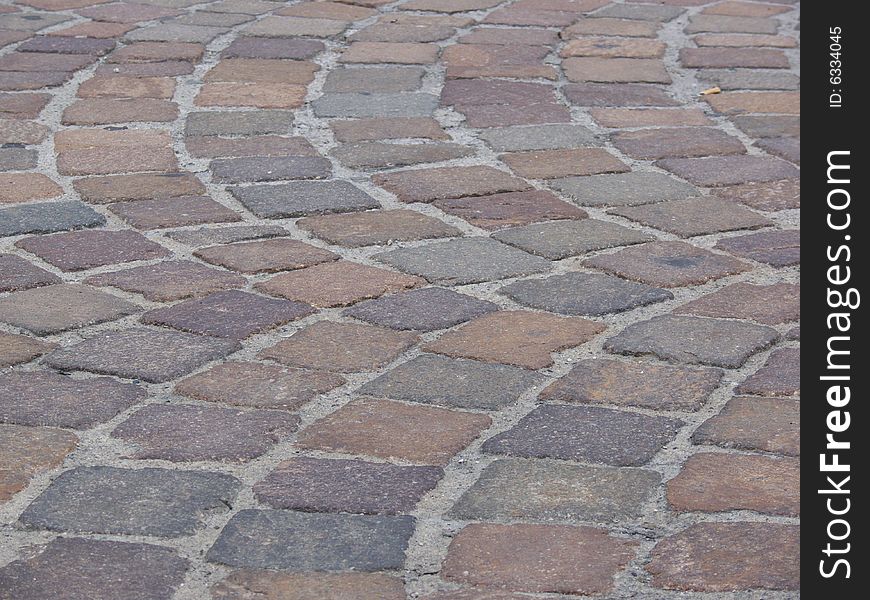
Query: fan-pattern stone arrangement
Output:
(376,300)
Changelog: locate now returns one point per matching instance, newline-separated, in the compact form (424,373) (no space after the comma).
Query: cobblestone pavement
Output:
(372,299)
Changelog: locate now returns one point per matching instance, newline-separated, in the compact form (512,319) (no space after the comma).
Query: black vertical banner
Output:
(834,49)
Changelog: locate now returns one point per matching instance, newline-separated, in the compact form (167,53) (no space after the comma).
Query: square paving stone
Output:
(257,94)
(267,256)
(17,273)
(360,105)
(390,52)
(252,47)
(81,569)
(79,250)
(422,310)
(252,146)
(28,451)
(511,208)
(763,126)
(246,122)
(299,541)
(17,159)
(653,144)
(623,189)
(140,186)
(616,70)
(583,294)
(18,349)
(769,304)
(539,137)
(464,260)
(48,217)
(426,185)
(433,379)
(776,248)
(610,27)
(274,584)
(617,94)
(25,187)
(376,227)
(228,314)
(718,58)
(269,168)
(728,170)
(537,558)
(516,337)
(787,148)
(376,155)
(749,79)
(694,216)
(209,236)
(745,9)
(182,432)
(644,12)
(687,339)
(388,129)
(554,491)
(340,347)
(46,398)
(150,354)
(56,308)
(161,213)
(561,239)
(393,430)
(729,24)
(158,502)
(622,383)
(667,264)
(779,376)
(168,281)
(737,103)
(722,557)
(352,486)
(717,482)
(257,385)
(339,283)
(374,80)
(301,198)
(586,434)
(766,424)
(649,117)
(614,48)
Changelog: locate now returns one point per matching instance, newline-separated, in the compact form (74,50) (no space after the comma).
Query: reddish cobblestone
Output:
(273,585)
(29,451)
(768,304)
(141,186)
(80,250)
(426,185)
(770,196)
(267,256)
(168,281)
(549,164)
(17,273)
(694,216)
(376,227)
(780,375)
(746,423)
(19,349)
(498,211)
(776,248)
(173,212)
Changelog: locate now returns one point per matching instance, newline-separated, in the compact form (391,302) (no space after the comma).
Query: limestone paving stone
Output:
(623,189)
(17,349)
(29,451)
(55,308)
(46,398)
(555,491)
(338,283)
(232,314)
(768,196)
(353,486)
(149,354)
(81,250)
(162,213)
(181,432)
(561,239)
(694,216)
(461,383)
(266,256)
(776,248)
(370,228)
(623,383)
(586,434)
(510,208)
(371,105)
(537,558)
(590,294)
(718,557)
(686,339)
(392,430)
(426,185)
(139,186)
(209,236)
(48,217)
(549,164)
(257,385)
(150,501)
(779,376)
(17,273)
(654,144)
(716,482)
(299,541)
(539,137)
(748,423)
(424,309)
(340,347)
(769,304)
(301,198)
(667,264)
(245,122)
(519,338)
(84,569)
(169,281)
(249,584)
(464,260)
(360,130)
